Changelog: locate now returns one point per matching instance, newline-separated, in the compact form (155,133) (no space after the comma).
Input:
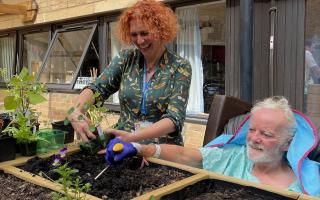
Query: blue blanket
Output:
(304,141)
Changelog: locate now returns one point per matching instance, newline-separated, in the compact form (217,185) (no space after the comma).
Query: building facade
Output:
(65,41)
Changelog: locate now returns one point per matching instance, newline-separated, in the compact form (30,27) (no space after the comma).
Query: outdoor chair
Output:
(222,109)
(225,116)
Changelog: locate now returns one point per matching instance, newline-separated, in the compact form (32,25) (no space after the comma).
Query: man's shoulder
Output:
(228,150)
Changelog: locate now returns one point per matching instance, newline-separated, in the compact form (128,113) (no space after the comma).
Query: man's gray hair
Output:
(279,102)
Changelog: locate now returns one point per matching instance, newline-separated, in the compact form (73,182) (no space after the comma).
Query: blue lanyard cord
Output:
(145,87)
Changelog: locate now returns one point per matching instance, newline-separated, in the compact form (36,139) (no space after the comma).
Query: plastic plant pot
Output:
(28,149)
(50,140)
(59,125)
(7,148)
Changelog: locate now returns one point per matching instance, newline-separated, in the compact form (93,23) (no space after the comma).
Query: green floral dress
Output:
(167,96)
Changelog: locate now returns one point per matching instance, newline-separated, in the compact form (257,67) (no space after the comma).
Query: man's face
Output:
(266,138)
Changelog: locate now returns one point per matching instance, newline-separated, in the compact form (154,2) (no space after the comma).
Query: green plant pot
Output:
(28,149)
(59,125)
(51,140)
(7,148)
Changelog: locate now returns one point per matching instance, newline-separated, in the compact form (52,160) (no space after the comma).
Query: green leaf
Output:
(92,128)
(36,98)
(152,198)
(10,103)
(80,117)
(96,94)
(24,72)
(14,80)
(66,121)
(30,78)
(71,110)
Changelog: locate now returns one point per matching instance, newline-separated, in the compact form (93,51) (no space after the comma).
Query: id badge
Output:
(141,125)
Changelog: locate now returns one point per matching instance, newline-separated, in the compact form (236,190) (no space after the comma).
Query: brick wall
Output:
(312,15)
(55,108)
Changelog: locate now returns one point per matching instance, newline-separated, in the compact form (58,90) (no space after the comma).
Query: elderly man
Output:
(265,150)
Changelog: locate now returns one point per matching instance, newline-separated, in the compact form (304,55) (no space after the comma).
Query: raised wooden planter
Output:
(199,175)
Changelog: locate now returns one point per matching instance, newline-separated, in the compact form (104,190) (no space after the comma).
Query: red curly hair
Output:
(160,20)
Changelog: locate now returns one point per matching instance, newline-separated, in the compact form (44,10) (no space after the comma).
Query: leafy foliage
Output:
(67,183)
(95,112)
(23,133)
(22,92)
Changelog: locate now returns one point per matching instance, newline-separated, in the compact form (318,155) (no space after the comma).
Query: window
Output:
(312,62)
(35,45)
(201,41)
(7,55)
(71,58)
(113,49)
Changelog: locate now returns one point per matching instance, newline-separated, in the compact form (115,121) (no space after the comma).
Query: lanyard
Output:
(145,88)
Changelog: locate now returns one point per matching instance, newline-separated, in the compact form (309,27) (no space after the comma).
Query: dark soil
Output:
(220,190)
(124,181)
(12,188)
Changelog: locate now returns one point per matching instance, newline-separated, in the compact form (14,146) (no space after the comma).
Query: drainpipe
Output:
(246,24)
(273,16)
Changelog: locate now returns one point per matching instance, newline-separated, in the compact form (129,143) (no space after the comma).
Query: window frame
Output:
(74,27)
(14,66)
(20,42)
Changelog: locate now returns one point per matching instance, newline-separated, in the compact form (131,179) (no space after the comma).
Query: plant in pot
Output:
(7,143)
(67,127)
(96,112)
(22,92)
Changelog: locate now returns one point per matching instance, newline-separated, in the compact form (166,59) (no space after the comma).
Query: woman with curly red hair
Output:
(153,82)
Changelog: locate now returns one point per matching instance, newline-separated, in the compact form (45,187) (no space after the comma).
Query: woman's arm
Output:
(160,128)
(82,126)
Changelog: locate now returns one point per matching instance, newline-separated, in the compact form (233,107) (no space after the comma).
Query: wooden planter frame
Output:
(199,175)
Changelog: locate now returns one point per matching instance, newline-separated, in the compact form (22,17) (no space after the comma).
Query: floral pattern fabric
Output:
(167,96)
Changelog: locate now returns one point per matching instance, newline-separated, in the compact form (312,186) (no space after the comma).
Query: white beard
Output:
(261,155)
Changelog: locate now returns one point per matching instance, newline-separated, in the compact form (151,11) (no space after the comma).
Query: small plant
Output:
(67,183)
(22,92)
(95,112)
(22,130)
(72,190)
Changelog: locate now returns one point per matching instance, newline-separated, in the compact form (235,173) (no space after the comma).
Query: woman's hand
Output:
(123,135)
(81,124)
(116,157)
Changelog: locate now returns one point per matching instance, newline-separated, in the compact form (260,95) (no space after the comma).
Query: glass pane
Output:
(312,61)
(35,46)
(113,49)
(64,57)
(114,43)
(7,55)
(90,65)
(201,41)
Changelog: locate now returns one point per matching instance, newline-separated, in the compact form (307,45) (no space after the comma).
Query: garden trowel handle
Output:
(117,148)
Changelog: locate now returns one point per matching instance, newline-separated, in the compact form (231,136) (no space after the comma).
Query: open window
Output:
(71,58)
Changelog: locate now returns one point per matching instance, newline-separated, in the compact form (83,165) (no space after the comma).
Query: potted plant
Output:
(22,92)
(67,127)
(96,112)
(7,143)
